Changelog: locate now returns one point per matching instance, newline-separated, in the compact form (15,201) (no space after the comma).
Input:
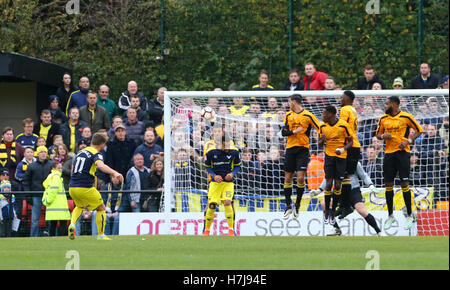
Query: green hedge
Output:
(220,42)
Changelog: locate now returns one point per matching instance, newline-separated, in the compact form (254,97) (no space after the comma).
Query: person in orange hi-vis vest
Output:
(315,173)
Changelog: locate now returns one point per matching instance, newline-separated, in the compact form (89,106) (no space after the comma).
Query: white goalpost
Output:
(254,119)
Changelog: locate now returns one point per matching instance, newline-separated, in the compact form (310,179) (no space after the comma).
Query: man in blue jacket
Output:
(149,149)
(79,98)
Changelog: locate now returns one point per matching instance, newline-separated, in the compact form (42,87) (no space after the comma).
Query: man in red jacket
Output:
(314,80)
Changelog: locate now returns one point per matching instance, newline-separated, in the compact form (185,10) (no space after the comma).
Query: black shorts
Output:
(335,167)
(353,157)
(355,196)
(397,162)
(296,159)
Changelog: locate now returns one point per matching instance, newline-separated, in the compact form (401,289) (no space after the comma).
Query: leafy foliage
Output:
(222,42)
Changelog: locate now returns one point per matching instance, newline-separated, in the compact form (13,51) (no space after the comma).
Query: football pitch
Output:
(225,253)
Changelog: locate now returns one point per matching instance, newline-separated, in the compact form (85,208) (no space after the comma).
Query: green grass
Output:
(218,252)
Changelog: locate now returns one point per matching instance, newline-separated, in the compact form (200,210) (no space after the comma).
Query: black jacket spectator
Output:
(245,179)
(54,130)
(431,83)
(363,84)
(58,115)
(124,101)
(35,175)
(155,111)
(299,86)
(119,154)
(65,132)
(64,95)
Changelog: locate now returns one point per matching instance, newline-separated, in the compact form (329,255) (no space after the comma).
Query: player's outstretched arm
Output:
(108,170)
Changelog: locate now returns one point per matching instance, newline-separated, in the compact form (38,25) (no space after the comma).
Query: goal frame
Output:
(230,94)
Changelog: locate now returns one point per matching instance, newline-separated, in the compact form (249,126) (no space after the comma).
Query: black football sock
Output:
(336,226)
(327,200)
(336,199)
(372,222)
(300,191)
(287,194)
(390,199)
(407,199)
(345,192)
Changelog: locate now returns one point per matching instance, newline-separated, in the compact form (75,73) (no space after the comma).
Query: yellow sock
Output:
(100,220)
(229,215)
(209,217)
(76,213)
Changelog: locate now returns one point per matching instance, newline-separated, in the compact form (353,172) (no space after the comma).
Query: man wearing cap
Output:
(120,151)
(4,176)
(426,79)
(35,175)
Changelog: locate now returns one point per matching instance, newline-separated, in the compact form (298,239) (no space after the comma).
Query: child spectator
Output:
(57,140)
(23,165)
(55,201)
(8,210)
(39,142)
(86,134)
(66,163)
(60,153)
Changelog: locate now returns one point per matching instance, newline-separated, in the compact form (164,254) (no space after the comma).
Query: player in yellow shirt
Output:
(348,114)
(298,123)
(394,128)
(336,135)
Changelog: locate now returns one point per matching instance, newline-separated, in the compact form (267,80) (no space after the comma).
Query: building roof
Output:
(18,67)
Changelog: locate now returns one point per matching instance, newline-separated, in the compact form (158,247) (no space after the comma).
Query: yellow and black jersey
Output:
(398,127)
(349,115)
(242,111)
(258,88)
(303,119)
(335,137)
(211,144)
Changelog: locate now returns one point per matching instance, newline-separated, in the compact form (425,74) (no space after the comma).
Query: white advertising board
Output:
(257,224)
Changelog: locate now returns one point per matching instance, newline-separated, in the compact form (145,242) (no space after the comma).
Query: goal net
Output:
(254,119)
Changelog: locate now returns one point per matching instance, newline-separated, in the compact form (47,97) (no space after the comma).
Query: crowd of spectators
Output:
(135,148)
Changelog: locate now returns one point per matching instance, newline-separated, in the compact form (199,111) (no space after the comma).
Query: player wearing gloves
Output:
(354,198)
(298,123)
